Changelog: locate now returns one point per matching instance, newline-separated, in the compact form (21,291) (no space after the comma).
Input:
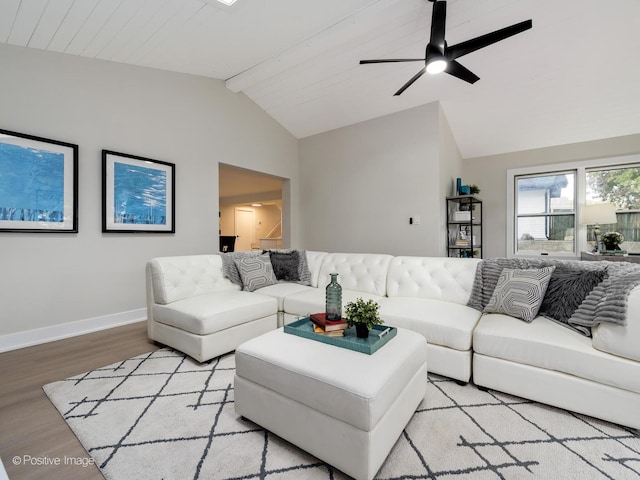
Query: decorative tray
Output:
(379,335)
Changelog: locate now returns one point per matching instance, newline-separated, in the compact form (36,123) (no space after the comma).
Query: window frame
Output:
(580,169)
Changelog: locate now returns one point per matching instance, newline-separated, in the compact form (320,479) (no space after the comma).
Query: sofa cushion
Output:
(180,277)
(520,292)
(449,279)
(281,290)
(547,344)
(214,312)
(621,340)
(567,290)
(441,322)
(363,272)
(312,300)
(256,272)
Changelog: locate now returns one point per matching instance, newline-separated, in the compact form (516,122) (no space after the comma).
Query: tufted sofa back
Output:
(363,272)
(314,262)
(438,278)
(176,278)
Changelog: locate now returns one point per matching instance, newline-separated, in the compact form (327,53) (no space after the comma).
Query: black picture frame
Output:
(38,184)
(138,194)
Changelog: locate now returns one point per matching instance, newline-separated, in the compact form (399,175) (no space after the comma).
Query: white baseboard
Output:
(14,341)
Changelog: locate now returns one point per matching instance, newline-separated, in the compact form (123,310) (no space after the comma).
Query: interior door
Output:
(244,227)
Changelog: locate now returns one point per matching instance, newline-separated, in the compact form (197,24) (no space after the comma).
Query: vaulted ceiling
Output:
(573,77)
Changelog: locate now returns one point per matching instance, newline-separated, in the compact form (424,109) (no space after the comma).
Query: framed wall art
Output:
(38,184)
(137,194)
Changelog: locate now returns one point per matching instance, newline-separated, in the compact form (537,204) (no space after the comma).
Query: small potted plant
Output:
(611,240)
(364,315)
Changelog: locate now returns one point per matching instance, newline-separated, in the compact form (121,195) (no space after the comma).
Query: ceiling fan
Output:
(439,57)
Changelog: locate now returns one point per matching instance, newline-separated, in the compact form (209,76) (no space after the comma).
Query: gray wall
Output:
(361,183)
(490,174)
(52,279)
(451,167)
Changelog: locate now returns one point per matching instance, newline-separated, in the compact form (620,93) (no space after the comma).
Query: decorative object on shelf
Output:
(138,194)
(38,184)
(612,240)
(595,214)
(333,299)
(364,315)
(465,189)
(462,216)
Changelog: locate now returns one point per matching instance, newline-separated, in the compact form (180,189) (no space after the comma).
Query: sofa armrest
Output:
(621,340)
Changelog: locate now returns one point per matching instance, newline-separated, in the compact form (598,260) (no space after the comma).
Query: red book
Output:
(320,319)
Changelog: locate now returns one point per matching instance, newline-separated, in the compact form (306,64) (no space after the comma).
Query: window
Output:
(544,206)
(619,185)
(545,212)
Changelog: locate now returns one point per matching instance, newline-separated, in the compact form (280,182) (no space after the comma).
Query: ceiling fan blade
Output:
(460,49)
(460,71)
(410,82)
(438,22)
(392,60)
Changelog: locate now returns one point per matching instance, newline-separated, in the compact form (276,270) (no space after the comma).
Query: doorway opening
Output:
(253,209)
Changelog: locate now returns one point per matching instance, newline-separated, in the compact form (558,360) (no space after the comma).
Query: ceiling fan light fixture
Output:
(436,66)
(440,57)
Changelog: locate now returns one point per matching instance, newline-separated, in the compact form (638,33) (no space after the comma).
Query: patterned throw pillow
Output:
(519,293)
(303,268)
(229,267)
(256,272)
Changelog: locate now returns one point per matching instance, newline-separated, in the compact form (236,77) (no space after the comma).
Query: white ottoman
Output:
(344,407)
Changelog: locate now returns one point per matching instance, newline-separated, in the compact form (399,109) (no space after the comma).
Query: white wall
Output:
(490,174)
(50,279)
(361,183)
(451,167)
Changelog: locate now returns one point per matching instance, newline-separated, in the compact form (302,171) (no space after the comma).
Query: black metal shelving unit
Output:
(464,226)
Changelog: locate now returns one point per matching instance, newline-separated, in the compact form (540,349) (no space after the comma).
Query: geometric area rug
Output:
(162,415)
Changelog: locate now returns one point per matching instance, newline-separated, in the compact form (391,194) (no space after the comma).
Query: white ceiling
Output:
(574,77)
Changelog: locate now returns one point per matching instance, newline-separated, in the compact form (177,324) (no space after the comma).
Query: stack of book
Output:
(329,328)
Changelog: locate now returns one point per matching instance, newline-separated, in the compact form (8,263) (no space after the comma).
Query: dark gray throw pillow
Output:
(285,265)
(567,290)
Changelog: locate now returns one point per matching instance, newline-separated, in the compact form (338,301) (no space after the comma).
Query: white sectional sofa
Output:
(195,309)
(547,362)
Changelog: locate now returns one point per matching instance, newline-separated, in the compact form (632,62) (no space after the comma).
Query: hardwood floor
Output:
(31,429)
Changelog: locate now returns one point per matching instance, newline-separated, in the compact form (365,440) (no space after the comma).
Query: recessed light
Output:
(256,204)
(227,2)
